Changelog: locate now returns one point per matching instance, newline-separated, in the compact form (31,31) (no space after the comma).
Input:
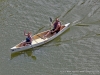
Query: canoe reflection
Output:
(28,52)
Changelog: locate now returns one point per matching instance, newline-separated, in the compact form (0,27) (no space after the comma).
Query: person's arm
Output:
(25,33)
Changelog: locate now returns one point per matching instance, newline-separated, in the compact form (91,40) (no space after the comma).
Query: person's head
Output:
(29,33)
(57,20)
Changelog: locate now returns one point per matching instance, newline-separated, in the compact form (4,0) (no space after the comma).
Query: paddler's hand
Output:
(52,31)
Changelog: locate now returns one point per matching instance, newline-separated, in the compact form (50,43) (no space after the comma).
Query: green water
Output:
(75,52)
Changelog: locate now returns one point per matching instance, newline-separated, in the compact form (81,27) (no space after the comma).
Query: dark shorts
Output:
(55,31)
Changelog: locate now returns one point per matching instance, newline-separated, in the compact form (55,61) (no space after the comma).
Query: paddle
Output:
(51,22)
(50,19)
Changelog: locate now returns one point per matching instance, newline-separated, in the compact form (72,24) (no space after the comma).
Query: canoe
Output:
(37,39)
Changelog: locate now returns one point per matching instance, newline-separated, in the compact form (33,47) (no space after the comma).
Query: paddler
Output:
(28,40)
(56,28)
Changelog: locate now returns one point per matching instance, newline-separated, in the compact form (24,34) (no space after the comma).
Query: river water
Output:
(75,52)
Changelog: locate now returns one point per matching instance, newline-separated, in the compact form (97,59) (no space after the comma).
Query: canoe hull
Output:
(40,42)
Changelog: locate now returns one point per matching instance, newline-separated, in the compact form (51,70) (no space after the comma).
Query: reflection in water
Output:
(98,34)
(27,52)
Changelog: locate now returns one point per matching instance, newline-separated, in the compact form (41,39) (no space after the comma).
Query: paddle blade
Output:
(50,19)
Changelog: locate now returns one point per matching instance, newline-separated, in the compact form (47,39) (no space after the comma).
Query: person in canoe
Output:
(28,39)
(56,28)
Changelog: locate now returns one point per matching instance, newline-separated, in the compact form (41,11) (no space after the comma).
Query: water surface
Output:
(75,52)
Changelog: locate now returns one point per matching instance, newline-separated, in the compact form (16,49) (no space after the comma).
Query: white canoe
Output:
(37,39)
